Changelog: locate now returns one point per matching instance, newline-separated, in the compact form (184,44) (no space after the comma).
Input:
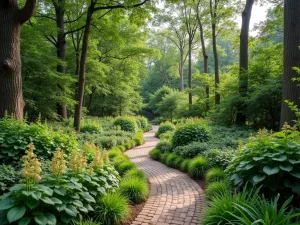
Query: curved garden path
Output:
(174,198)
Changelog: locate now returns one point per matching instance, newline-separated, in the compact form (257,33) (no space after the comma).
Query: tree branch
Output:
(120,6)
(26,12)
(45,16)
(73,31)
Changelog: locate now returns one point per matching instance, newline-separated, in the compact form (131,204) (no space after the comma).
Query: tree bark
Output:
(181,65)
(190,72)
(213,12)
(291,90)
(11,20)
(244,60)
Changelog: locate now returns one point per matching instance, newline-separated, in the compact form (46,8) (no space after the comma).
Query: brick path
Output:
(174,198)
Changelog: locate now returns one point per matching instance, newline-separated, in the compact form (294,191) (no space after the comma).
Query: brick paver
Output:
(174,198)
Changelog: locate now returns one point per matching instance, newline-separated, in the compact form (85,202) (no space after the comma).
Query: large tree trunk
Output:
(181,65)
(11,20)
(81,83)
(243,74)
(190,72)
(213,12)
(61,50)
(291,90)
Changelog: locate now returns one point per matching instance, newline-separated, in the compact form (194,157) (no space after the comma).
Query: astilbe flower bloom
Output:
(58,164)
(97,162)
(105,156)
(78,162)
(31,167)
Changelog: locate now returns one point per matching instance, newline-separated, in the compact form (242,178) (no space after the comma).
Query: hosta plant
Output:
(269,161)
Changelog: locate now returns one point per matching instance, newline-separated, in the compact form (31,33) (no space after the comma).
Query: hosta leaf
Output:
(7,203)
(71,210)
(51,219)
(24,221)
(60,191)
(78,203)
(271,171)
(16,213)
(281,158)
(47,200)
(41,219)
(294,161)
(259,178)
(56,201)
(32,203)
(248,167)
(295,174)
(287,168)
(258,158)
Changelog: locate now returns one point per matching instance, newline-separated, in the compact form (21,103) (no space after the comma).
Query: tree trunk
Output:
(81,83)
(61,51)
(190,72)
(213,11)
(243,74)
(11,20)
(181,65)
(291,90)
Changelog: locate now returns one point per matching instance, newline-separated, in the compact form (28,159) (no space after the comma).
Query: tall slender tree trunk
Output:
(81,84)
(244,59)
(190,72)
(181,65)
(213,12)
(61,51)
(11,20)
(291,90)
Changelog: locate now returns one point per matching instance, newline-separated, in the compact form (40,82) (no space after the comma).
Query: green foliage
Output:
(155,154)
(198,167)
(8,177)
(164,128)
(166,136)
(215,189)
(190,133)
(15,136)
(269,161)
(135,173)
(215,175)
(144,123)
(191,150)
(126,124)
(88,222)
(158,96)
(184,166)
(164,146)
(111,209)
(139,138)
(170,160)
(218,158)
(123,167)
(135,189)
(114,153)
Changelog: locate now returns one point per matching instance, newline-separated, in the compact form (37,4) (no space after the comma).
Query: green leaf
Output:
(7,203)
(287,168)
(259,178)
(51,219)
(56,201)
(258,158)
(36,195)
(66,218)
(71,210)
(78,203)
(47,200)
(294,161)
(16,213)
(295,174)
(271,171)
(60,191)
(32,203)
(24,221)
(281,158)
(88,197)
(41,219)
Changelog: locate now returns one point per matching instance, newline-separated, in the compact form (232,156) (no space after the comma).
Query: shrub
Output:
(190,133)
(164,127)
(143,122)
(135,173)
(126,124)
(218,158)
(177,161)
(164,157)
(191,150)
(148,128)
(90,222)
(170,160)
(215,175)
(155,154)
(114,153)
(166,136)
(135,189)
(15,136)
(185,165)
(139,138)
(215,189)
(112,209)
(123,167)
(198,167)
(91,127)
(269,161)
(8,177)
(164,146)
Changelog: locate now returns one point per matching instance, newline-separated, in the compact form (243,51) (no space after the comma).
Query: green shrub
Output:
(185,165)
(91,127)
(15,136)
(198,167)
(164,157)
(89,222)
(112,209)
(128,145)
(126,124)
(119,133)
(135,189)
(215,189)
(215,175)
(135,173)
(190,133)
(8,178)
(191,150)
(148,128)
(270,162)
(123,167)
(166,136)
(170,160)
(114,153)
(155,154)
(218,158)
(177,161)
(164,146)
(139,138)
(164,127)
(144,122)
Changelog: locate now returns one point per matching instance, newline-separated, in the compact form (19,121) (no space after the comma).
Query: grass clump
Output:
(184,165)
(170,160)
(198,167)
(125,166)
(215,175)
(135,189)
(155,154)
(135,173)
(215,189)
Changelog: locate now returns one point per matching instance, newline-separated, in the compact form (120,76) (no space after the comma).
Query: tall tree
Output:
(11,20)
(243,73)
(291,89)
